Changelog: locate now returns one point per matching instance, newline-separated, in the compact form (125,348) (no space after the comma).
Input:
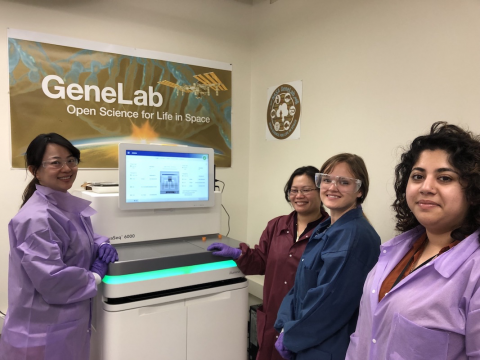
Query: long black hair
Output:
(34,157)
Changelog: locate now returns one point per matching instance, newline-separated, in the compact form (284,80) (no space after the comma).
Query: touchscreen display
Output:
(153,176)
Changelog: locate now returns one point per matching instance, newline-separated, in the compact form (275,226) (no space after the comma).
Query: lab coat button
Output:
(384,251)
(290,255)
(386,294)
(276,336)
(374,341)
(373,291)
(287,231)
(285,283)
(303,259)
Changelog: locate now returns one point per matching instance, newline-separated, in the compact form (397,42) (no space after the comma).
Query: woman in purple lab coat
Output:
(422,299)
(56,260)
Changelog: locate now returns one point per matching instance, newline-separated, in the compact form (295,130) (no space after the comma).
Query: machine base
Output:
(206,324)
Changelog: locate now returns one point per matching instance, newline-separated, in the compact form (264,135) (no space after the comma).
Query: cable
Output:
(223,188)
(228,218)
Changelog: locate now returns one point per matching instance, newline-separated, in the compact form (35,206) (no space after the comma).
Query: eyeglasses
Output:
(343,184)
(304,192)
(57,164)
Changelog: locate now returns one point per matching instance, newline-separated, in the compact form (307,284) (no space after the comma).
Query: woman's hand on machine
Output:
(107,253)
(99,267)
(224,250)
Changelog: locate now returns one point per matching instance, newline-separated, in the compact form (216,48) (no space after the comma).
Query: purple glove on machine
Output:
(100,267)
(107,253)
(282,350)
(225,250)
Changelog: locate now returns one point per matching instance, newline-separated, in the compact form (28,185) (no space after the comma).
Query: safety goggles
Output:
(304,192)
(343,184)
(57,164)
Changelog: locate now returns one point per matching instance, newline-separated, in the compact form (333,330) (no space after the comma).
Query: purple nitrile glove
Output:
(225,250)
(282,350)
(100,267)
(107,253)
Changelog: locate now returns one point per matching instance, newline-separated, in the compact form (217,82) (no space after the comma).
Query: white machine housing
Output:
(127,226)
(195,315)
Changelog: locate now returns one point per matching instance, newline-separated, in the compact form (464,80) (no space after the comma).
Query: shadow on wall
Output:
(52,3)
(192,18)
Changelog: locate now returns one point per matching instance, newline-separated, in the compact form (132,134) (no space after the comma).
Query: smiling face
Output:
(58,179)
(305,203)
(434,193)
(339,202)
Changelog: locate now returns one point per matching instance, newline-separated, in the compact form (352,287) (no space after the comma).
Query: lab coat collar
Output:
(349,216)
(409,236)
(345,218)
(289,222)
(448,262)
(66,201)
(322,227)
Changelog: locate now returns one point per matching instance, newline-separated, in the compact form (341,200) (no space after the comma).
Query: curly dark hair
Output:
(463,149)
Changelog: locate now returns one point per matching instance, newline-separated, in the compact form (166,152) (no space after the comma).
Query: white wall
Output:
(376,74)
(214,29)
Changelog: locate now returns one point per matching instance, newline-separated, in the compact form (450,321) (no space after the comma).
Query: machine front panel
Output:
(153,266)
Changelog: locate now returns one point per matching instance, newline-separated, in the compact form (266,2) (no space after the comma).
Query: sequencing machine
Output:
(167,297)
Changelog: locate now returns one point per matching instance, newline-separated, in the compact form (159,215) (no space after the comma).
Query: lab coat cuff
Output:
(97,277)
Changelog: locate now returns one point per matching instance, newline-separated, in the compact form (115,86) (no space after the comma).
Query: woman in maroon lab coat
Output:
(278,253)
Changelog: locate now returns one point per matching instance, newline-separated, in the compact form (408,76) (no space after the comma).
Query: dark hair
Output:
(310,171)
(357,167)
(34,157)
(463,149)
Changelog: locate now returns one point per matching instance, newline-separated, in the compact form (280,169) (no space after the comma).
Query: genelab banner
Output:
(98,95)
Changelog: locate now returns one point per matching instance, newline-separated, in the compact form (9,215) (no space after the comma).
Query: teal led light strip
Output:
(157,274)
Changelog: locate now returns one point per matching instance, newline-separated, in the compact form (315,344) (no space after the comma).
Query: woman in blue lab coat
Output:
(320,312)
